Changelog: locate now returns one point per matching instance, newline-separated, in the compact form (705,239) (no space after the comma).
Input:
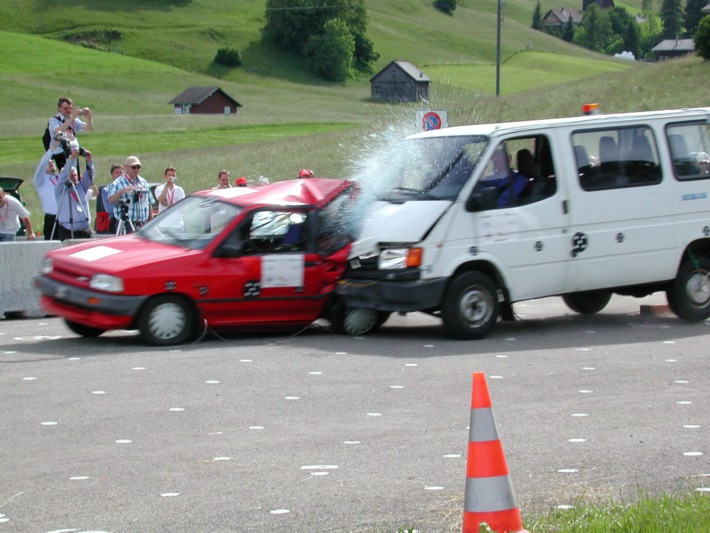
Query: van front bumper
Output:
(404,296)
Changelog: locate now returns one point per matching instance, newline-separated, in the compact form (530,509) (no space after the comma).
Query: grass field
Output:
(291,120)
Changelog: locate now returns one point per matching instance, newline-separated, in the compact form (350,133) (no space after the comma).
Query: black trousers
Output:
(48,226)
(63,234)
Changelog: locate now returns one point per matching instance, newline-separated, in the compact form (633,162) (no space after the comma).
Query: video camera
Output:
(67,145)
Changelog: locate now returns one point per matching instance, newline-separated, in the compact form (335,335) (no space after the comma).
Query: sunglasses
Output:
(134,167)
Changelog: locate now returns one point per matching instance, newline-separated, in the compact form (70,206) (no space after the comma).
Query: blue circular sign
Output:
(431,121)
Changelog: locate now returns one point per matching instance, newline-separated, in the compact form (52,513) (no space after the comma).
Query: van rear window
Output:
(689,146)
(616,158)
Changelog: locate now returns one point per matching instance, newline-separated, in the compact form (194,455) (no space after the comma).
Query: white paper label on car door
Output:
(282,270)
(499,226)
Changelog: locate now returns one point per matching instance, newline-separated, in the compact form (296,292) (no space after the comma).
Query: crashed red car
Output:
(245,257)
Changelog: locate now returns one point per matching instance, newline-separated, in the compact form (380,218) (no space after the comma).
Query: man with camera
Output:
(45,181)
(68,123)
(73,215)
(129,195)
(11,212)
(168,193)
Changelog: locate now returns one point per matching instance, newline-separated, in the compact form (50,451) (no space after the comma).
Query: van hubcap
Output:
(475,306)
(698,288)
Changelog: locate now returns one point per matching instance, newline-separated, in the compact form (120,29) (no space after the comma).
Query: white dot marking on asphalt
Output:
(79,478)
(123,441)
(692,454)
(396,387)
(292,398)
(564,507)
(98,392)
(579,415)
(691,426)
(221,459)
(176,409)
(374,414)
(584,391)
(411,364)
(138,368)
(169,494)
(434,487)
(568,470)
(257,427)
(452,455)
(681,381)
(29,378)
(684,402)
(280,511)
(576,440)
(319,467)
(212,382)
(49,423)
(351,442)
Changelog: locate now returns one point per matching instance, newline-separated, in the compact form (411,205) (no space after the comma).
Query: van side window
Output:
(689,146)
(616,158)
(521,170)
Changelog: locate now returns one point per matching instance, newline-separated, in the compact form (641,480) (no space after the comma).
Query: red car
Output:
(250,257)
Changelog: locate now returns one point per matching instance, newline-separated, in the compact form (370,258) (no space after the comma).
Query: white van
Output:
(475,218)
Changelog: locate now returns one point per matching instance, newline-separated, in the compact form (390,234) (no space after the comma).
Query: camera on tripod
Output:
(67,145)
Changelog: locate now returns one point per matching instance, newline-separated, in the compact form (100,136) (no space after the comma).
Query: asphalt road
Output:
(321,433)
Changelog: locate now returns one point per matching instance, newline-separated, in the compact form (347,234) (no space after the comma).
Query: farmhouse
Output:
(400,81)
(671,48)
(558,18)
(204,100)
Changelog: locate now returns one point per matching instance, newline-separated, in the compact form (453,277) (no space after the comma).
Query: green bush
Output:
(702,39)
(228,57)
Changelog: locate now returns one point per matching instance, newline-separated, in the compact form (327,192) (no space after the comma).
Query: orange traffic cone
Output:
(489,494)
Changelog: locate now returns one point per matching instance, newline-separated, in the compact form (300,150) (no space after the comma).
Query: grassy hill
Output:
(290,119)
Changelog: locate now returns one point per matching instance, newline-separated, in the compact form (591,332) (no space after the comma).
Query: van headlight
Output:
(399,258)
(104,282)
(47,266)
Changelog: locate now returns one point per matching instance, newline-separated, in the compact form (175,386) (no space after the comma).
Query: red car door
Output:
(267,272)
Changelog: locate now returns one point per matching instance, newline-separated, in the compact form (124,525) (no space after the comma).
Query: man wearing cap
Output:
(305,173)
(702,160)
(130,193)
(242,181)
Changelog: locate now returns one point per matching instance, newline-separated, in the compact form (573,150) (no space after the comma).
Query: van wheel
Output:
(470,307)
(587,302)
(356,320)
(83,330)
(166,320)
(689,294)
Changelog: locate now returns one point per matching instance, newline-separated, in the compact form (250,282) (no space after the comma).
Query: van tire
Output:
(689,294)
(166,319)
(470,308)
(587,302)
(83,330)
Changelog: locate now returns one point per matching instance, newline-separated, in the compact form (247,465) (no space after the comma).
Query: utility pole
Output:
(498,51)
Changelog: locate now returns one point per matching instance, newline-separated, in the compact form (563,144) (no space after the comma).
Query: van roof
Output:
(490,130)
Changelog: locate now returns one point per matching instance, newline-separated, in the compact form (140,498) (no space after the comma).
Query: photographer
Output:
(67,122)
(45,181)
(130,195)
(73,215)
(169,193)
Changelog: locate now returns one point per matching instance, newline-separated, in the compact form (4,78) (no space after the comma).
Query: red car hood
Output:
(115,254)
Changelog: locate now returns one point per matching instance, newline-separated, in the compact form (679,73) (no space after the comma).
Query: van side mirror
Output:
(482,200)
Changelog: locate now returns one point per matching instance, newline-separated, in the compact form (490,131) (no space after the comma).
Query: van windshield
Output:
(191,223)
(433,168)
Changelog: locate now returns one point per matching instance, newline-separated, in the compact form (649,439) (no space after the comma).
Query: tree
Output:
(537,17)
(330,54)
(671,15)
(594,32)
(291,24)
(568,34)
(626,27)
(447,6)
(692,15)
(702,39)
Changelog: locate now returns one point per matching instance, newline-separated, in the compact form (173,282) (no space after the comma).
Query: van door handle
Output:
(565,209)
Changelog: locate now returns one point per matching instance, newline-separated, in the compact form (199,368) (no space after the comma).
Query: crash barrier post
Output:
(19,263)
(489,494)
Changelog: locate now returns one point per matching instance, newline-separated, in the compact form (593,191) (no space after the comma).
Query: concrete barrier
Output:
(19,263)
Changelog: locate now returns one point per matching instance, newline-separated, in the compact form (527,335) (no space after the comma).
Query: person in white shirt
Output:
(168,193)
(11,211)
(45,180)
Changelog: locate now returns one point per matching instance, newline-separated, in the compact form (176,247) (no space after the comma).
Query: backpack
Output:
(46,138)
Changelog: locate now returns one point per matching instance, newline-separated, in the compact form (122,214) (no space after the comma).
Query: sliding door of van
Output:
(621,218)
(523,230)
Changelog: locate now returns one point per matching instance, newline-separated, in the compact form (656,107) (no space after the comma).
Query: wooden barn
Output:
(204,101)
(400,81)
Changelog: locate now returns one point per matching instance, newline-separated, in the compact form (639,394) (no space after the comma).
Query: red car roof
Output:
(313,191)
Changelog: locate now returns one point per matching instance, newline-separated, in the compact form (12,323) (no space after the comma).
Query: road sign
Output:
(431,120)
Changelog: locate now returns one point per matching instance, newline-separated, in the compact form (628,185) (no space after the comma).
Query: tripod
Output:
(73,202)
(124,225)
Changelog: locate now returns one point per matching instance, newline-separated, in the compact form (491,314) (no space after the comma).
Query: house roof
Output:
(408,68)
(705,10)
(674,45)
(563,14)
(197,95)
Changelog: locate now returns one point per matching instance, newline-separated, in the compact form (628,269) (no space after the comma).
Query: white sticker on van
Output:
(498,226)
(282,270)
(95,253)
